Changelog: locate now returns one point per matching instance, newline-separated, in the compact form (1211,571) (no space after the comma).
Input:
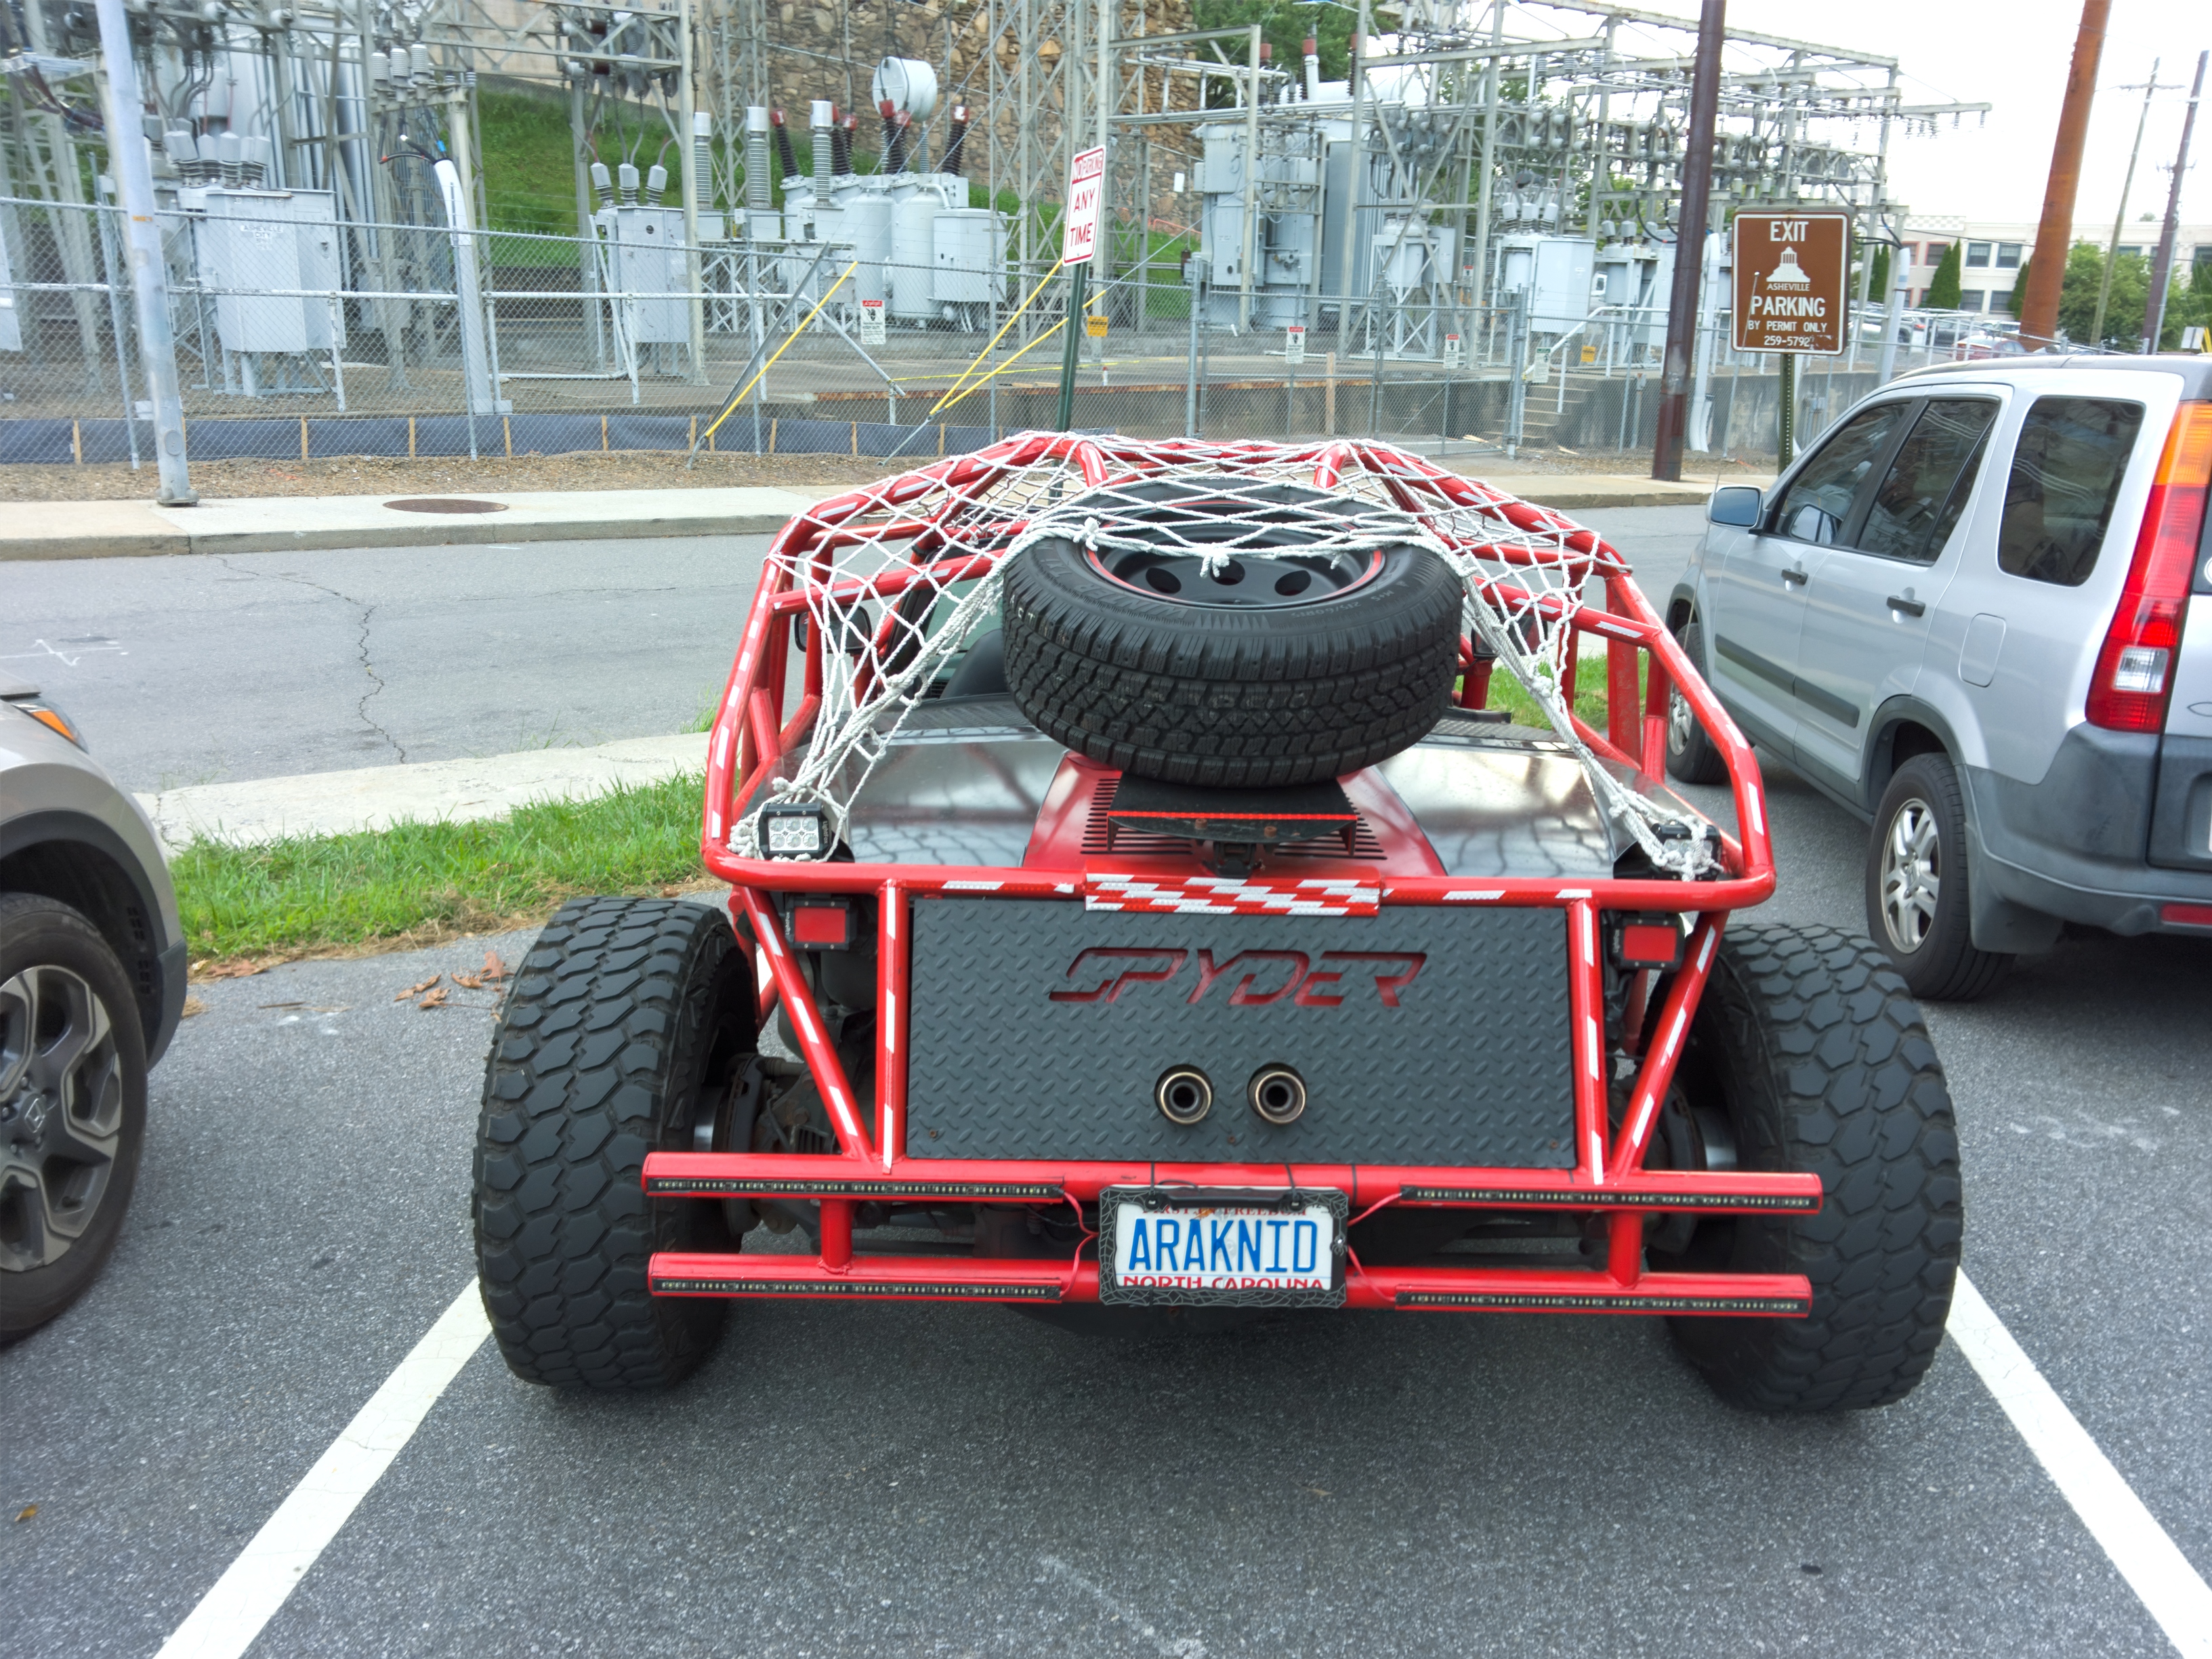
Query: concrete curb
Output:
(424,792)
(111,530)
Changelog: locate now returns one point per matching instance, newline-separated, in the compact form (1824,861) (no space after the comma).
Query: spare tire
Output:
(1261,671)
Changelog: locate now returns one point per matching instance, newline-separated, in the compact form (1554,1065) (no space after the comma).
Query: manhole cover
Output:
(445,504)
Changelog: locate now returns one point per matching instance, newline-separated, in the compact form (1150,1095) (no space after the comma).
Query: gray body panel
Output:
(56,797)
(1473,1067)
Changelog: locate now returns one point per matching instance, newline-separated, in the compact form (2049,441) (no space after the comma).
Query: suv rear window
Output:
(1925,489)
(1821,495)
(2066,474)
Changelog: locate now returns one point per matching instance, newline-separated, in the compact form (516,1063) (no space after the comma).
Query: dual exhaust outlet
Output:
(1184,1094)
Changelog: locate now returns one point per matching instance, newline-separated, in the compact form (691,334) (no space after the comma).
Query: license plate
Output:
(1221,1246)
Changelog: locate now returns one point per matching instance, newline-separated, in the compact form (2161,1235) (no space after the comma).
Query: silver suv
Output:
(92,984)
(1965,615)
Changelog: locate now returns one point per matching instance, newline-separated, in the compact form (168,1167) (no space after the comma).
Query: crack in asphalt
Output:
(367,664)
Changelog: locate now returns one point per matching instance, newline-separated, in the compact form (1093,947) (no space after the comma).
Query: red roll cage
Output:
(754,730)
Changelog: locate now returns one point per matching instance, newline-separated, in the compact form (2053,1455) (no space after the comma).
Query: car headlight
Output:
(52,717)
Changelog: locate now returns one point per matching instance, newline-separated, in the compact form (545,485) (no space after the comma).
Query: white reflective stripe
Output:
(233,1614)
(1758,812)
(2172,1591)
(974,886)
(1574,892)
(891,1022)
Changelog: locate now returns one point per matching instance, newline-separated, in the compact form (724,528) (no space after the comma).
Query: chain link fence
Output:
(299,336)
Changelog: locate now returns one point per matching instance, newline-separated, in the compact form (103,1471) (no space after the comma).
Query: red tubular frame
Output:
(1608,1177)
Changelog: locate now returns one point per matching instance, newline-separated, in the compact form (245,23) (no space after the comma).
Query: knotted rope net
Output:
(900,576)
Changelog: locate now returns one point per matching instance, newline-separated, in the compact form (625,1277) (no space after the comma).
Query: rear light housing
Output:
(1644,941)
(2135,667)
(818,922)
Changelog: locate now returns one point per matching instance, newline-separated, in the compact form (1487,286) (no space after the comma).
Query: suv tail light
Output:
(2135,667)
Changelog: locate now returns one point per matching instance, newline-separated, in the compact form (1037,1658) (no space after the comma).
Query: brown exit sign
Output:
(1792,278)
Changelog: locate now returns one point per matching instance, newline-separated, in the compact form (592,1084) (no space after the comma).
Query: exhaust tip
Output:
(1278,1094)
(1184,1095)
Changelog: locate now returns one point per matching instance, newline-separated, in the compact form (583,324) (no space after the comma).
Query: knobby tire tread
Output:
(612,1009)
(1830,1071)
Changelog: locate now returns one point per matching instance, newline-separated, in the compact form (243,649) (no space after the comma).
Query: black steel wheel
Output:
(72,1107)
(627,1027)
(1808,1053)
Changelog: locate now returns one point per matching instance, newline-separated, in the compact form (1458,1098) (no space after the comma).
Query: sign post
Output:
(1792,295)
(1078,242)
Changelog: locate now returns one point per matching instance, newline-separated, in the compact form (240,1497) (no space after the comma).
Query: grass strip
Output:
(417,883)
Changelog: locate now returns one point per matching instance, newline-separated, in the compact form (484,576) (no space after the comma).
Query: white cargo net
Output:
(900,574)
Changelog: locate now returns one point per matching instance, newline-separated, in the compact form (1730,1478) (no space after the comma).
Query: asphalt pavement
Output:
(194,671)
(880,1480)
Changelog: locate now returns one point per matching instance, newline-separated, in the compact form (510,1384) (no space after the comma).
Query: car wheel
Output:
(1170,660)
(1808,1053)
(1692,756)
(629,1024)
(72,1107)
(1916,885)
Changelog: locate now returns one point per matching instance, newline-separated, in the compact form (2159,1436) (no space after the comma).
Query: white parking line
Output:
(247,1595)
(2170,1589)
(233,1614)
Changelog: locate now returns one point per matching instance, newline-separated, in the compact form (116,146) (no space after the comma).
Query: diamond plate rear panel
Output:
(1039,1030)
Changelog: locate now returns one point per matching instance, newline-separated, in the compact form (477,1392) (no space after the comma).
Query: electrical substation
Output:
(1469,228)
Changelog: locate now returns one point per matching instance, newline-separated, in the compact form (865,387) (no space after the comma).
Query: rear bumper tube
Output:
(1412,1289)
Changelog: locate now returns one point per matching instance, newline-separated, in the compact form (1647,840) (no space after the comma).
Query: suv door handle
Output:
(1909,607)
(1796,575)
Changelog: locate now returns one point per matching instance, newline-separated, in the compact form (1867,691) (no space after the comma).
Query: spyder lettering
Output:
(1256,978)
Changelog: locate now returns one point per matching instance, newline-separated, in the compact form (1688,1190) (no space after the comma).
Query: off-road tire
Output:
(1241,699)
(1814,1049)
(1692,755)
(626,1018)
(37,933)
(1945,966)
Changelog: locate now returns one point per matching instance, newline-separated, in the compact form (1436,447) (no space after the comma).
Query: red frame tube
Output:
(1608,1177)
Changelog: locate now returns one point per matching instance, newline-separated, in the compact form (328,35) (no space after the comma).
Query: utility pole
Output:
(2161,268)
(2054,234)
(1690,243)
(142,240)
(2120,215)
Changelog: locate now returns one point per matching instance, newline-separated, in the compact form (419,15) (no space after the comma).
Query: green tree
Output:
(2018,297)
(1943,288)
(1285,25)
(1878,290)
(2123,310)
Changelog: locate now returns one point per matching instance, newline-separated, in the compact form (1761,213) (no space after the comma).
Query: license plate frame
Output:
(1251,1204)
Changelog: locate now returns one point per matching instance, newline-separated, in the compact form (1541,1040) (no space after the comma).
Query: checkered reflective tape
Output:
(1218,896)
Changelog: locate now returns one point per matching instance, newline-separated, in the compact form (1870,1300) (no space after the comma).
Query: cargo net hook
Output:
(900,575)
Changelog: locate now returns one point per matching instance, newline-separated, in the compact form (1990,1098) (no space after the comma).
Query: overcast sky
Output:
(2015,56)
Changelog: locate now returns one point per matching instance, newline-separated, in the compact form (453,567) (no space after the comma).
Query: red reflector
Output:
(1648,944)
(2186,915)
(818,924)
(2134,674)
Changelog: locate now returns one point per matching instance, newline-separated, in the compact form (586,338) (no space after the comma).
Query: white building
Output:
(1996,250)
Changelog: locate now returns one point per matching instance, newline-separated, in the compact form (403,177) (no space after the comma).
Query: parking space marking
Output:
(2170,1589)
(1170,1647)
(249,1593)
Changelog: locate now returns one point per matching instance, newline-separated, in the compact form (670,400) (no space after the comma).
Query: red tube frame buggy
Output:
(754,730)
